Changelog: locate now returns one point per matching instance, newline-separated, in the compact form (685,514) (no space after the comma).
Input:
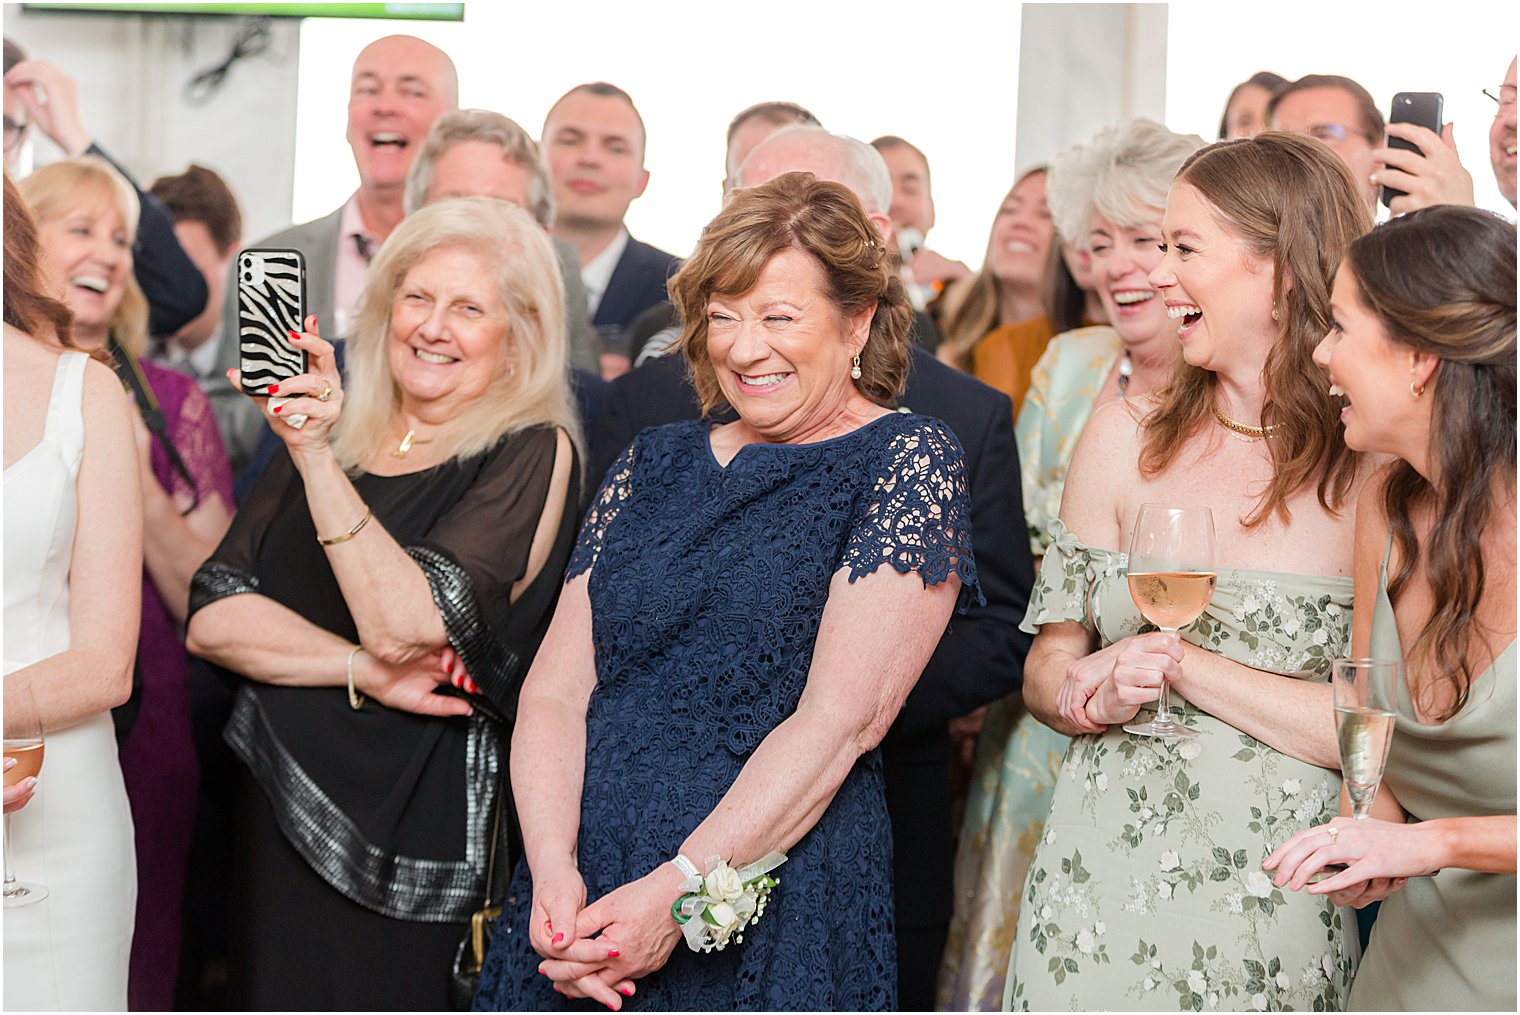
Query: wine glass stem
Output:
(10,879)
(1164,703)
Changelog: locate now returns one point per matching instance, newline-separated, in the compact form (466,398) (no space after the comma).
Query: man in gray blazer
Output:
(398,87)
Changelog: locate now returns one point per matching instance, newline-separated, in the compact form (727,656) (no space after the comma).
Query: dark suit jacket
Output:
(637,283)
(173,285)
(979,659)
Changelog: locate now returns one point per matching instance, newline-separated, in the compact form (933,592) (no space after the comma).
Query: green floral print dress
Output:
(1146,890)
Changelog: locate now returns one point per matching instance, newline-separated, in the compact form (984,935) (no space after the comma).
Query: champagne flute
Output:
(1365,696)
(1171,579)
(23,741)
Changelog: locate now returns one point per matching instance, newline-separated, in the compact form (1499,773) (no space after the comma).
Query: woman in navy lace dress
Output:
(729,648)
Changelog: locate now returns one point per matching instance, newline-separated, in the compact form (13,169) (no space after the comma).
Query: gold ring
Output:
(1335,833)
(326,390)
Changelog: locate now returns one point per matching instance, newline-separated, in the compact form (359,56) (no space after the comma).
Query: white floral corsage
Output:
(717,907)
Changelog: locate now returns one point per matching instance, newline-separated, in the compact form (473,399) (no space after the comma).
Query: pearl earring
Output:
(855,370)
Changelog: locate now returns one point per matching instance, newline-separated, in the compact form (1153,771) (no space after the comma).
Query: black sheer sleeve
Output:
(479,549)
(230,571)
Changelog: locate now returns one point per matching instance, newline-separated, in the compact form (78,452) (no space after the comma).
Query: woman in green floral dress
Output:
(1107,194)
(1145,891)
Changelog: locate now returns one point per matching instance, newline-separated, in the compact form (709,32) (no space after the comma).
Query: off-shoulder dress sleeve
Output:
(1063,587)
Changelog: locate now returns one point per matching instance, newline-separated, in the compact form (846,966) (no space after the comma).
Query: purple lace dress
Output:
(707,587)
(158,759)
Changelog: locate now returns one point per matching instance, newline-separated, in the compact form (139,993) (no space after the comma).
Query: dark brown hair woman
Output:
(1422,348)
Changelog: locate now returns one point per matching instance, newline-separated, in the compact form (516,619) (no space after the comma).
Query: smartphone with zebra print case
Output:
(271,304)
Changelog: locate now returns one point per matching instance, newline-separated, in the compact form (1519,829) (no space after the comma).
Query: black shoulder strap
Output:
(131,375)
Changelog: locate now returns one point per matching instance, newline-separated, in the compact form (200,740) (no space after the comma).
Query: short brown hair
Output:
(1292,199)
(779,114)
(797,211)
(1372,120)
(200,195)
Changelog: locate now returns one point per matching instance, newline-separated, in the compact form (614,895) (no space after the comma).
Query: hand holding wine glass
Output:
(24,745)
(1171,579)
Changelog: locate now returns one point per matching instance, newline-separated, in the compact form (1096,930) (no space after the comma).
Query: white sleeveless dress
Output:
(68,952)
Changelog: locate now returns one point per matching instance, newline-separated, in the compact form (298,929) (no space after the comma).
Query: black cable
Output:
(252,40)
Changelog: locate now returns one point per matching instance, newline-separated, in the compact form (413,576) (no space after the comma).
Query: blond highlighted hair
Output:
(532,387)
(91,183)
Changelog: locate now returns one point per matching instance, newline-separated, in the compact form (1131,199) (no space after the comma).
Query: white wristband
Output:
(686,867)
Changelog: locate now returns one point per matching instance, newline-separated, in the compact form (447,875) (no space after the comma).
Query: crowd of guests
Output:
(572,578)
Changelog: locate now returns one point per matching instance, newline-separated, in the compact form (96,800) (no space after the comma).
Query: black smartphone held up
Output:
(1422,108)
(271,304)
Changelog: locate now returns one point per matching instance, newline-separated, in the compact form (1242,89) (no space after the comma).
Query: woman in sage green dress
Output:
(1145,891)
(1107,194)
(1424,349)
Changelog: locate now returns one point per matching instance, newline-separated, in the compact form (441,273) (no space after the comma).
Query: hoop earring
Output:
(855,370)
(1416,389)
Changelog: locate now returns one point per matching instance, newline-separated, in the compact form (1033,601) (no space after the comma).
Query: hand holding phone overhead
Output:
(1419,166)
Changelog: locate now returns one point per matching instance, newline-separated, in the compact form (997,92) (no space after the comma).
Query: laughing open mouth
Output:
(1189,314)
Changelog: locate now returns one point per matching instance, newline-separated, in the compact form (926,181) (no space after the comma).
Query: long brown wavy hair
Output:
(1442,281)
(28,307)
(1291,199)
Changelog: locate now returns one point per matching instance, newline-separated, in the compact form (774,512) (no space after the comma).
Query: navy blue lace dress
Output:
(707,587)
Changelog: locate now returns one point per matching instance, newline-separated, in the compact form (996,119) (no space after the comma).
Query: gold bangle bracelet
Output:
(350,534)
(355,699)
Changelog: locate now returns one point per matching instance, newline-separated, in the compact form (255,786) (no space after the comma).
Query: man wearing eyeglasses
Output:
(1501,137)
(1339,112)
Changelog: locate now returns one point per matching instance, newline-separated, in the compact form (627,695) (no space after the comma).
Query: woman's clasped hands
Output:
(598,951)
(1111,684)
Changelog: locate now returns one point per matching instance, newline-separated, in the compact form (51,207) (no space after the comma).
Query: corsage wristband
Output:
(716,908)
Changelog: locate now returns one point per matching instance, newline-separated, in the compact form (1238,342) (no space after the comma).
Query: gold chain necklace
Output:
(1250,434)
(405,447)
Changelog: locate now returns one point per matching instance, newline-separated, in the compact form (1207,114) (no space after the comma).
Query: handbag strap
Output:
(497,860)
(131,375)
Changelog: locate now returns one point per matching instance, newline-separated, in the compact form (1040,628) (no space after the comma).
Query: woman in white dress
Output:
(73,566)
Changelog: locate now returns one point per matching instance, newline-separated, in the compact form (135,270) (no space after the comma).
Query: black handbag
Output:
(464,975)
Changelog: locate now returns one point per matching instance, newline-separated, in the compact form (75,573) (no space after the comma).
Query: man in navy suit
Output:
(594,142)
(981,657)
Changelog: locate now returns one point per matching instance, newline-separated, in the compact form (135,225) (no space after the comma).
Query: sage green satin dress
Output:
(1446,943)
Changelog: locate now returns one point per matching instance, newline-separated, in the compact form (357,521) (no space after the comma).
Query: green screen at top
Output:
(410,12)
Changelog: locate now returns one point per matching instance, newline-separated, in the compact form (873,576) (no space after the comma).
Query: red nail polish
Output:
(276,409)
(626,991)
(557,939)
(274,389)
(613,953)
(548,927)
(294,334)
